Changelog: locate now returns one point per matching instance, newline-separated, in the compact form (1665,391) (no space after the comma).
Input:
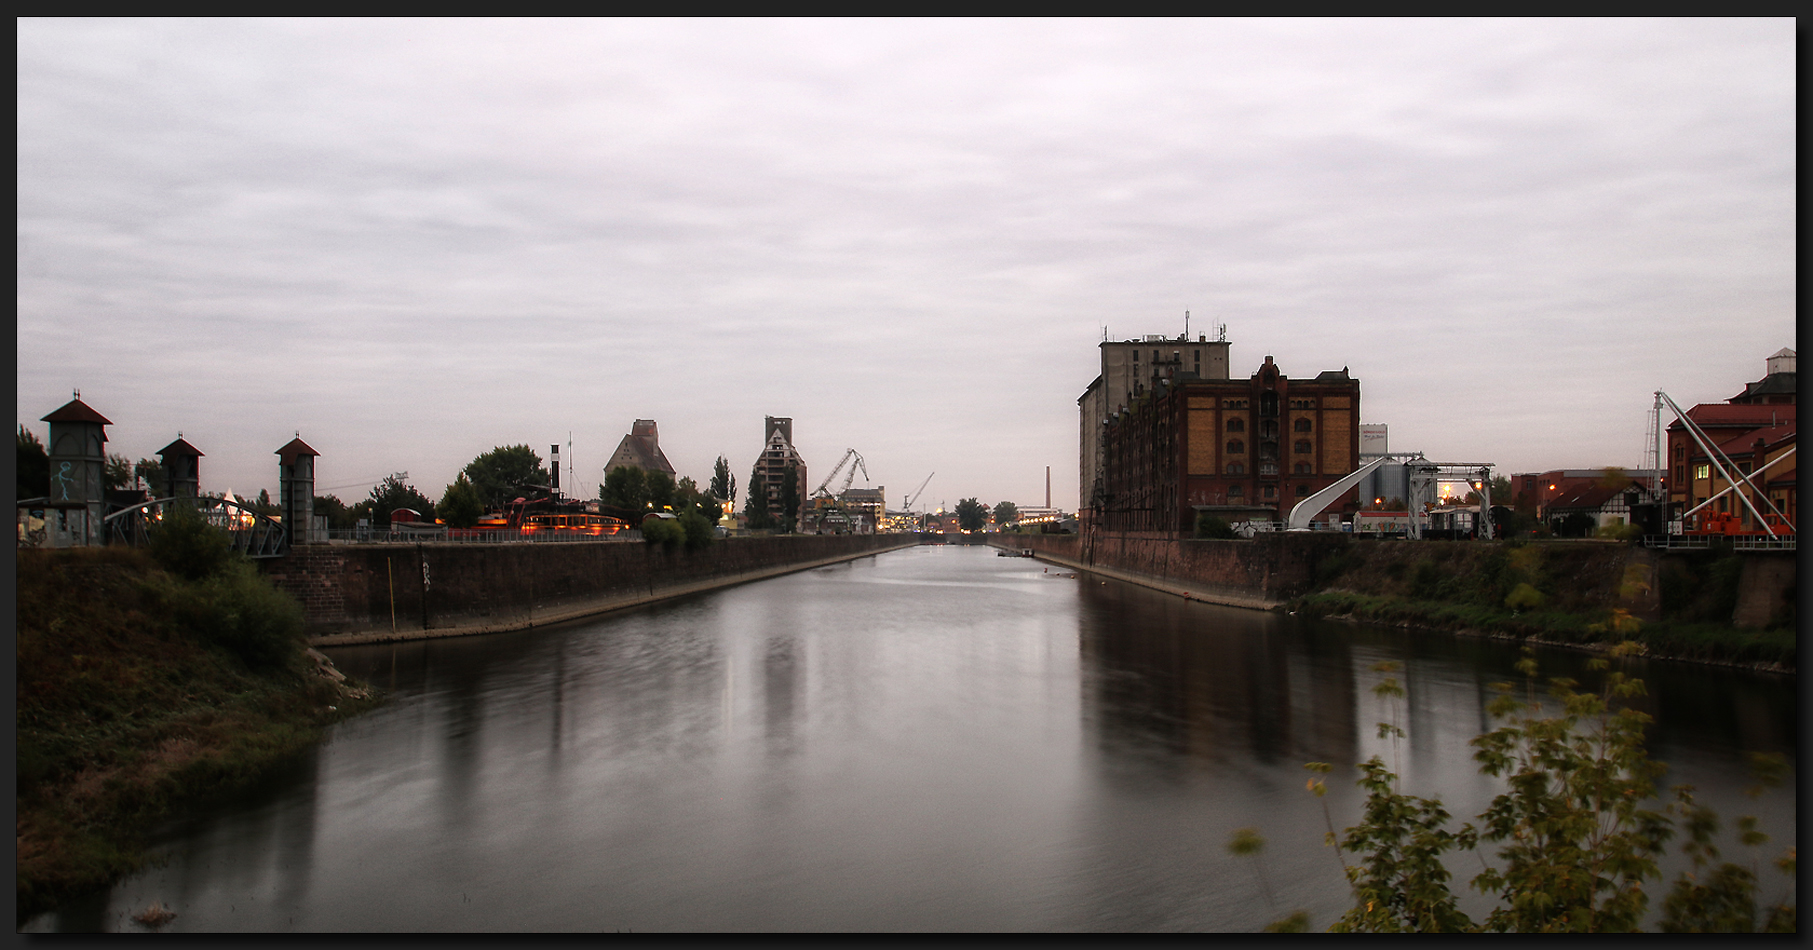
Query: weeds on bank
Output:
(1576,834)
(142,688)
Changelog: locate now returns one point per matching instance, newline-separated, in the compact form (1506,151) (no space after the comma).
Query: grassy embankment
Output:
(141,691)
(1554,592)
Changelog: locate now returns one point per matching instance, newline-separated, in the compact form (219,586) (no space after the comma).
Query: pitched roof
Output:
(1722,414)
(287,455)
(1770,385)
(1588,496)
(76,410)
(180,447)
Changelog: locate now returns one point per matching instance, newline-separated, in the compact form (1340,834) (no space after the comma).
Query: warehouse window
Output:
(1303,425)
(1236,447)
(1236,425)
(1304,447)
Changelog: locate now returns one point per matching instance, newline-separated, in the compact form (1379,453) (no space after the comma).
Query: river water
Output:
(930,739)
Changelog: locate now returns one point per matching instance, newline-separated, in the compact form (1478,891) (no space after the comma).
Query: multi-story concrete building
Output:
(1130,369)
(778,454)
(1250,448)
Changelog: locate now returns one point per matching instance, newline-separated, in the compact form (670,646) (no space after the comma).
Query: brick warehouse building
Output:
(1259,444)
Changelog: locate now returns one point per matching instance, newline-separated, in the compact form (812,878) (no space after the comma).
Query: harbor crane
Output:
(820,492)
(908,504)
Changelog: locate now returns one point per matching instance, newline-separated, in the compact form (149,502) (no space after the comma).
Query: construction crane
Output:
(848,478)
(908,505)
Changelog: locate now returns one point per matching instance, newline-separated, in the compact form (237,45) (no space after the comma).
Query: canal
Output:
(931,739)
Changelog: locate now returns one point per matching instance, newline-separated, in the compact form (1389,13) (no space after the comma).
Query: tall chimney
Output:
(554,466)
(1048,483)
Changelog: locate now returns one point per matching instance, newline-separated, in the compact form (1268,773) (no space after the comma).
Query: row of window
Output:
(1236,492)
(1267,468)
(1239,425)
(1303,447)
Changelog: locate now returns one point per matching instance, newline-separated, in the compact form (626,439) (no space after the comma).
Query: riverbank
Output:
(359,594)
(1713,606)
(134,703)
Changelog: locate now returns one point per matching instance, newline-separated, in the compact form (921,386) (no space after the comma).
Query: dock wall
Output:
(377,593)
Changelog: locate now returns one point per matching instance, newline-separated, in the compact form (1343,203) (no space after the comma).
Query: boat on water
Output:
(1020,552)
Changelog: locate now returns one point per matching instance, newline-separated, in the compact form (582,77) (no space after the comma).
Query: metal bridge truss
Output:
(1424,476)
(252,534)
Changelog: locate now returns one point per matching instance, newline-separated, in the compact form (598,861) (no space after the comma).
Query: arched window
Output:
(1302,491)
(1236,468)
(1302,468)
(1304,447)
(1236,447)
(1236,425)
(1303,425)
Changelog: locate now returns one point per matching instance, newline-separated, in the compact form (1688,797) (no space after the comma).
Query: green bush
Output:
(663,531)
(696,530)
(1212,526)
(185,544)
(239,611)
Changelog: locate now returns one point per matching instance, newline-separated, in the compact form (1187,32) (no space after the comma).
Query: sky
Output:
(413,241)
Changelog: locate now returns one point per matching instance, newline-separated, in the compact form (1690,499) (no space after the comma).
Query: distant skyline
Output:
(413,241)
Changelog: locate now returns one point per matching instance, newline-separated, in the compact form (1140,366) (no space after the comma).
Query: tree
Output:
(460,505)
(393,493)
(1577,838)
(790,499)
(335,511)
(1210,525)
(150,473)
(972,515)
(660,488)
(1006,511)
(263,505)
(505,473)
(1613,477)
(687,497)
(755,505)
(34,466)
(723,484)
(117,475)
(624,487)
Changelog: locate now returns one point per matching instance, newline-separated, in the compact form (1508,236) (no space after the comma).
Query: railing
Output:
(1701,542)
(444,535)
(250,533)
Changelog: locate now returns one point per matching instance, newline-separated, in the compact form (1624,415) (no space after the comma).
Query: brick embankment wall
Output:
(1262,573)
(374,593)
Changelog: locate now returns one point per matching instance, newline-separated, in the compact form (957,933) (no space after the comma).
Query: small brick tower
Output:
(78,460)
(296,489)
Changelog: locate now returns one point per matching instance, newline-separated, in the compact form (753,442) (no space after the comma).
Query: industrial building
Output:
(1246,449)
(778,454)
(640,449)
(1755,430)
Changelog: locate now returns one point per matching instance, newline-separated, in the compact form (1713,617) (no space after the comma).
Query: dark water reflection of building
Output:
(1212,683)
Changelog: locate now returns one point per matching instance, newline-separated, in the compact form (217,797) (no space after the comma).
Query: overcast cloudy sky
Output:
(412,241)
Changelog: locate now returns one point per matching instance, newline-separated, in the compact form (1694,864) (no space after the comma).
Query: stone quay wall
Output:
(381,592)
(1267,571)
(1261,573)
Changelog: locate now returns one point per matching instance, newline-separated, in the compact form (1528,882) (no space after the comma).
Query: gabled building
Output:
(640,449)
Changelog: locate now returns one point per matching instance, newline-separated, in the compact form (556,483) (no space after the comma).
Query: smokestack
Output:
(554,466)
(1048,486)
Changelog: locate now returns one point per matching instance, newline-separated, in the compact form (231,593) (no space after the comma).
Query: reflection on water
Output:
(935,738)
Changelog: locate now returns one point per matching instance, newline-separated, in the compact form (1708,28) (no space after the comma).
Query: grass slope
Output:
(140,692)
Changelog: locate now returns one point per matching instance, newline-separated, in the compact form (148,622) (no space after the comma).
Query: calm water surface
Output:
(931,739)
